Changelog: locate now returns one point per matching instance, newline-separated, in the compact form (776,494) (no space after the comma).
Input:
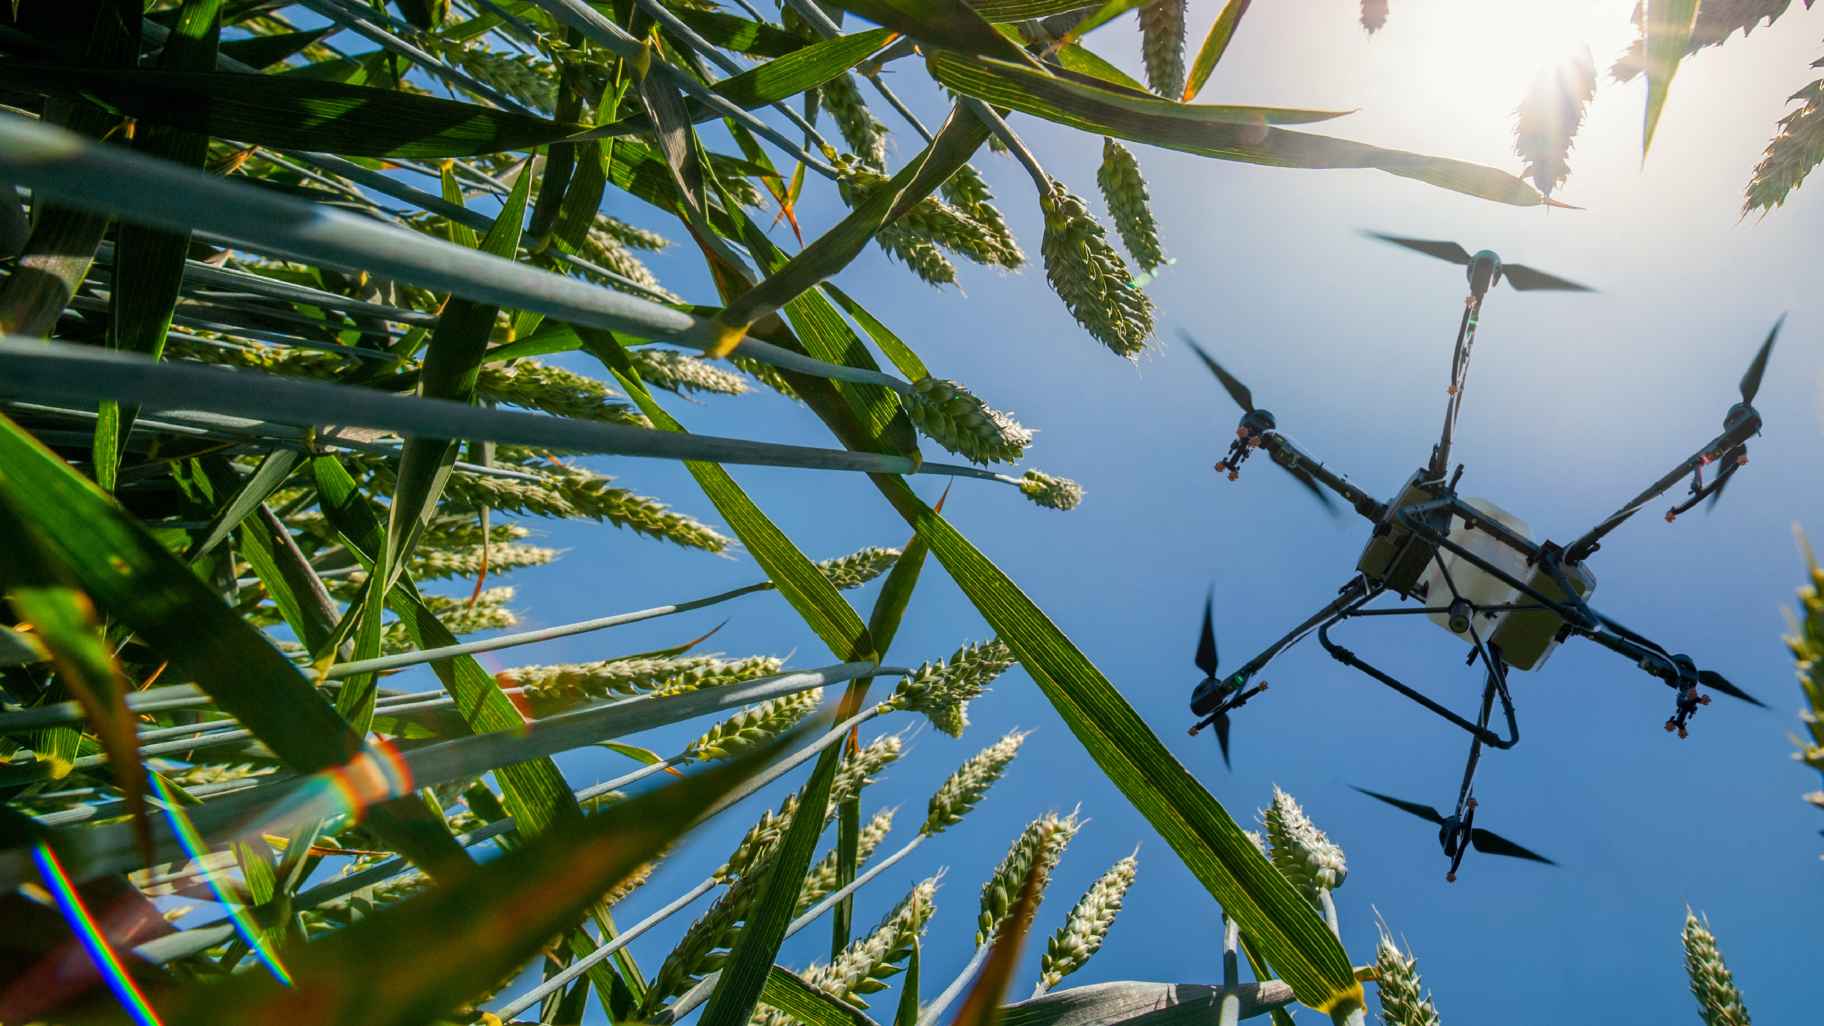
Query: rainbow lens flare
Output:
(193,845)
(93,940)
(378,774)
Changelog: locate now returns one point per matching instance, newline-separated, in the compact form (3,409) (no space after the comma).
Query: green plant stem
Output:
(1004,132)
(588,21)
(394,662)
(937,1007)
(689,37)
(1230,1011)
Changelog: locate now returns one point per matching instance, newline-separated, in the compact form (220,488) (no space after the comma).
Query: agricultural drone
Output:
(1472,567)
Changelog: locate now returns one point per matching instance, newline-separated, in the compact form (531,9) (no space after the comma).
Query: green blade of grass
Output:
(417,960)
(883,625)
(901,354)
(1081,106)
(1001,12)
(287,576)
(948,24)
(535,790)
(1668,30)
(63,621)
(1292,938)
(1109,11)
(777,80)
(824,610)
(584,196)
(292,113)
(1079,58)
(86,374)
(107,180)
(961,135)
(110,848)
(750,960)
(1224,133)
(258,486)
(265,51)
(452,362)
(787,991)
(907,1012)
(131,576)
(822,334)
(741,35)
(1214,46)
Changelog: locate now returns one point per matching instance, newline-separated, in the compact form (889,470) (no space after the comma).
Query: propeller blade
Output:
(1304,477)
(1430,247)
(1424,812)
(1525,279)
(1222,738)
(1751,381)
(1717,682)
(1495,844)
(1206,645)
(1723,476)
(1237,391)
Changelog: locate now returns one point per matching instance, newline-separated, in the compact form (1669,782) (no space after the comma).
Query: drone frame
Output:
(1417,526)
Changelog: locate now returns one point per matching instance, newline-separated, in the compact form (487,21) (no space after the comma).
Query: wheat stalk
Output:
(1300,851)
(1086,273)
(943,690)
(1050,492)
(1718,1000)
(963,424)
(754,726)
(1087,927)
(1124,190)
(1402,1003)
(1041,843)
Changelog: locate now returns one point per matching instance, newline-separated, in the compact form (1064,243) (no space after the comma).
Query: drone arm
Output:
(1646,658)
(1355,591)
(1459,369)
(1579,550)
(1286,453)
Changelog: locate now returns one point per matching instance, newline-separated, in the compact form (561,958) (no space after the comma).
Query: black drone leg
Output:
(1466,802)
(1456,858)
(1475,744)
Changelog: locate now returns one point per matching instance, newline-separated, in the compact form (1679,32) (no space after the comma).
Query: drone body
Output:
(1472,568)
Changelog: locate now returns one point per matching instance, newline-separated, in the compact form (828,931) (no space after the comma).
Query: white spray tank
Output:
(1473,583)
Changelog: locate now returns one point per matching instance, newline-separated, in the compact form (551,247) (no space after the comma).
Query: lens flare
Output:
(93,940)
(197,849)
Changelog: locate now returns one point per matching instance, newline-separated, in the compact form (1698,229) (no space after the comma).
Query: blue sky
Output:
(1576,402)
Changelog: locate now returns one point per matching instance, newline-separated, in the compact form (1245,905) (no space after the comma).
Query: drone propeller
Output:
(1493,844)
(1424,812)
(1482,840)
(1430,247)
(1206,645)
(1245,399)
(1237,391)
(1521,277)
(1525,279)
(1717,682)
(1751,381)
(1207,662)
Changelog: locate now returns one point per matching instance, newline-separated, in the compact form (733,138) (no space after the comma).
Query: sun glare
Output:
(1468,63)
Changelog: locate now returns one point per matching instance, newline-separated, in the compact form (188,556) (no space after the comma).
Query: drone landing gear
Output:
(1458,829)
(1497,685)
